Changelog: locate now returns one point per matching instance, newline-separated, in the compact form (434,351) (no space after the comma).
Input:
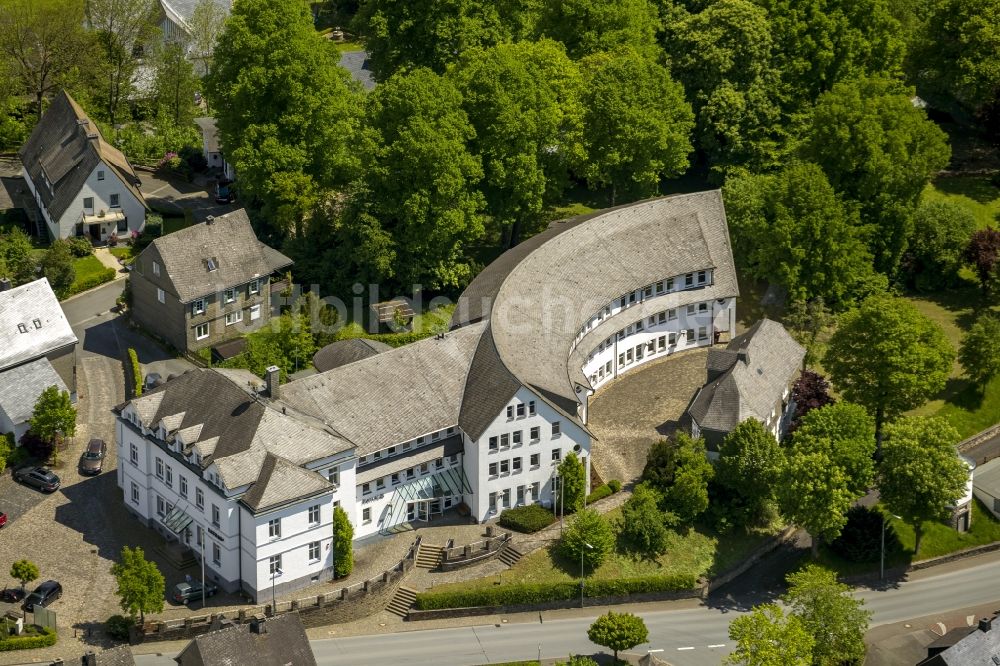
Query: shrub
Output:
(117,627)
(577,660)
(861,538)
(527,519)
(615,485)
(599,493)
(36,446)
(45,638)
(537,593)
(136,372)
(589,539)
(105,276)
(80,246)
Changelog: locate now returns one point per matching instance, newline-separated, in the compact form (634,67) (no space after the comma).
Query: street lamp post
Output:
(881,575)
(202,567)
(586,547)
(274,574)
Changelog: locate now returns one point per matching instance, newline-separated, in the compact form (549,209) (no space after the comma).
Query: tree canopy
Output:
(643,524)
(572,477)
(618,631)
(836,620)
(980,349)
(815,493)
(53,413)
(141,586)
(24,571)
(846,432)
(343,543)
(680,471)
(750,464)
(589,535)
(941,232)
(586,27)
(766,636)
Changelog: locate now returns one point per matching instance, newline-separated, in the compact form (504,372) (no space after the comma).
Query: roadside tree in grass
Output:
(588,528)
(680,471)
(836,620)
(24,571)
(343,540)
(140,584)
(768,637)
(983,252)
(815,494)
(847,433)
(54,413)
(572,474)
(750,464)
(618,631)
(921,474)
(979,352)
(888,357)
(643,523)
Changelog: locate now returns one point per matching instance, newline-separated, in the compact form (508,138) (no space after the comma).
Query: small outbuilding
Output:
(393,316)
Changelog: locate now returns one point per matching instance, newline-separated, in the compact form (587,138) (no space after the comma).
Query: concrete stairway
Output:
(510,555)
(429,556)
(402,601)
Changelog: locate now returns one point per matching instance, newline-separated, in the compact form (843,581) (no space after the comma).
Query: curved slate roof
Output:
(343,352)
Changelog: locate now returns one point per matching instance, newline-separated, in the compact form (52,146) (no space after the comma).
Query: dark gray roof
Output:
(210,133)
(978,647)
(282,642)
(229,243)
(34,307)
(768,358)
(181,11)
(442,449)
(356,62)
(347,351)
(280,482)
(488,388)
(21,385)
(120,655)
(66,146)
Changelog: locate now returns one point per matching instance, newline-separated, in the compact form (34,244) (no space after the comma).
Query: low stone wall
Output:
(978,439)
(346,604)
(873,578)
(753,558)
(473,553)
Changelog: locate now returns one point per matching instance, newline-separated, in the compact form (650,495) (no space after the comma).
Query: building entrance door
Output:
(95,231)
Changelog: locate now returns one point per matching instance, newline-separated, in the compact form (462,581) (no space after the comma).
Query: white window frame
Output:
(315,551)
(273,564)
(198,306)
(201,331)
(274,528)
(229,295)
(135,492)
(314,510)
(234,317)
(366,515)
(199,498)
(156,268)
(253,287)
(255,312)
(161,295)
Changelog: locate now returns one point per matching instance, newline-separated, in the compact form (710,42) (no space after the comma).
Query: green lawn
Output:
(349,45)
(123,252)
(88,269)
(974,193)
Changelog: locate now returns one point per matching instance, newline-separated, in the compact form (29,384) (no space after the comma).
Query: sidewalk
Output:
(104,255)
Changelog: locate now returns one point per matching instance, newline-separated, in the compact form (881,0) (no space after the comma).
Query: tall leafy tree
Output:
(343,543)
(53,413)
(586,27)
(980,349)
(941,232)
(57,266)
(287,114)
(983,252)
(24,571)
(810,391)
(750,464)
(846,432)
(921,473)
(572,476)
(141,586)
(175,84)
(829,613)
(815,494)
(888,357)
(637,122)
(45,42)
(618,631)
(403,35)
(814,247)
(589,536)
(421,180)
(680,471)
(768,637)
(523,101)
(643,524)
(878,150)
(207,21)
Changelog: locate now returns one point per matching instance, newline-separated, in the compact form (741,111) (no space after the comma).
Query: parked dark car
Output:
(43,595)
(11,594)
(185,592)
(37,477)
(225,193)
(3,519)
(92,459)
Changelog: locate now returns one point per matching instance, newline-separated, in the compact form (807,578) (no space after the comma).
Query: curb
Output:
(92,289)
(860,579)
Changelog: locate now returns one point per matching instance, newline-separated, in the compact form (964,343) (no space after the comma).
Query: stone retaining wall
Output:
(473,553)
(978,438)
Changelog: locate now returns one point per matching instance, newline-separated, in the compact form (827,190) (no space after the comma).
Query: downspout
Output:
(239,536)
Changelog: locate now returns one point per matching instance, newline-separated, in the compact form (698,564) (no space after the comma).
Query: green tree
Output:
(813,247)
(57,266)
(983,252)
(175,84)
(523,101)
(591,534)
(941,232)
(815,494)
(618,631)
(768,637)
(207,21)
(836,620)
(643,524)
(680,472)
(16,253)
(421,180)
(53,413)
(879,150)
(637,122)
(24,571)
(888,357)
(921,474)
(572,477)
(750,464)
(846,432)
(343,544)
(141,586)
(586,27)
(402,35)
(979,353)
(287,114)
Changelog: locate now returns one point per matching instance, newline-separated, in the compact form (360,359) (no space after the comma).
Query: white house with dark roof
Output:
(37,350)
(211,148)
(81,183)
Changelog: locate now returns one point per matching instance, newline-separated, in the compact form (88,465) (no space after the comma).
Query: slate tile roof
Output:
(34,307)
(66,146)
(281,482)
(209,133)
(282,642)
(183,10)
(980,646)
(347,351)
(21,385)
(229,243)
(120,655)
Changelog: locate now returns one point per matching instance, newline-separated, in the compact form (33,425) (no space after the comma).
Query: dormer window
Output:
(198,307)
(37,323)
(210,263)
(229,295)
(254,287)
(22,328)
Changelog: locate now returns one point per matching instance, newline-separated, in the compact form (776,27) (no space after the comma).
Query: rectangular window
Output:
(156,268)
(274,564)
(229,295)
(650,346)
(652,320)
(133,454)
(135,493)
(621,359)
(661,342)
(672,338)
(505,467)
(535,433)
(100,174)
(690,309)
(254,312)
(504,441)
(659,287)
(556,454)
(510,411)
(161,296)
(520,409)
(122,225)
(215,515)
(703,333)
(380,484)
(702,276)
(198,307)
(394,478)
(160,506)
(314,514)
(333,476)
(506,496)
(159,468)
(493,501)
(234,317)
(672,313)
(516,464)
(199,498)
(638,326)
(410,473)
(169,478)
(314,551)
(536,489)
(439,463)
(531,408)
(216,554)
(273,527)
(183,485)
(689,334)
(116,200)
(516,437)
(493,469)
(366,516)
(607,367)
(647,292)
(670,284)
(703,307)
(254,287)
(638,352)
(435,436)
(494,443)
(535,460)
(88,205)
(662,317)
(689,279)
(201,331)
(520,494)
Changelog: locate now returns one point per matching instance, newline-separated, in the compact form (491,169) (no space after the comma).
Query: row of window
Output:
(114,200)
(165,473)
(637,327)
(515,438)
(228,296)
(201,331)
(518,410)
(405,446)
(274,525)
(501,499)
(514,465)
(397,478)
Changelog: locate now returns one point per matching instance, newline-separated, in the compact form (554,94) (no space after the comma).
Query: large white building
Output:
(480,416)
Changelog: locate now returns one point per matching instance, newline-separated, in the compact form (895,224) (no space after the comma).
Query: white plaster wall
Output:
(293,544)
(101,191)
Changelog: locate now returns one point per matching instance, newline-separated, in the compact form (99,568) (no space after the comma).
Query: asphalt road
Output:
(688,637)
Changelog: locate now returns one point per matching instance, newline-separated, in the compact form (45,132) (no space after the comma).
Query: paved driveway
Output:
(174,194)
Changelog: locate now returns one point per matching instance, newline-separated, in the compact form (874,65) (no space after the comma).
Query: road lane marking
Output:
(717,645)
(686,648)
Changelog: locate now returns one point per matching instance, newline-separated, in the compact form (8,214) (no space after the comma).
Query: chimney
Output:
(258,625)
(90,659)
(4,284)
(272,377)
(985,624)
(743,355)
(210,219)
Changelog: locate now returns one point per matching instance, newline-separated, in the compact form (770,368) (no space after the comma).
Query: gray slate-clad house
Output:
(347,351)
(980,645)
(206,283)
(751,378)
(120,655)
(37,350)
(81,183)
(277,641)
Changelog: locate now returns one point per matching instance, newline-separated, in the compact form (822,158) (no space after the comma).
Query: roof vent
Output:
(92,136)
(210,219)
(22,328)
(211,263)
(37,323)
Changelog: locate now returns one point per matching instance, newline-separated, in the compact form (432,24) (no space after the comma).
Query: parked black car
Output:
(11,594)
(92,459)
(185,592)
(43,595)
(225,193)
(37,477)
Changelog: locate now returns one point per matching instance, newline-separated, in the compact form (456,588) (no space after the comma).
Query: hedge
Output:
(47,638)
(537,593)
(136,372)
(105,276)
(527,519)
(599,493)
